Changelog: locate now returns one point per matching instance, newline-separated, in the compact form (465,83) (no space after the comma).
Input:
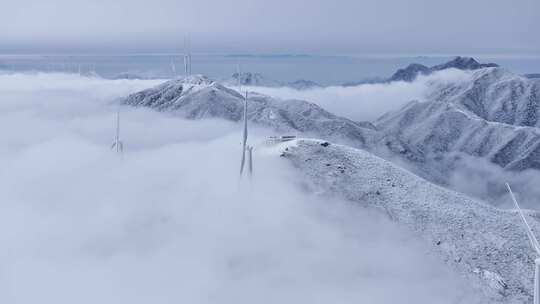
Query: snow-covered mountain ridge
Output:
(488,246)
(198,97)
(495,116)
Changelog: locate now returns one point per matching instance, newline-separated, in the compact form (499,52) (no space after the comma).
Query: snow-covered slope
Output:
(486,245)
(497,95)
(410,72)
(198,97)
(495,116)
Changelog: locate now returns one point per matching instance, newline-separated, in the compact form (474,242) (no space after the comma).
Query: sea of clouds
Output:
(367,102)
(170,221)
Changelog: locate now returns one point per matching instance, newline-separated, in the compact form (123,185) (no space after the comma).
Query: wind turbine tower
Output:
(245,147)
(534,244)
(187,57)
(118,145)
(239,76)
(173,68)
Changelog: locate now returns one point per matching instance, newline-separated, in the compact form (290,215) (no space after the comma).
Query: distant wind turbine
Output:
(534,244)
(238,76)
(245,146)
(118,145)
(173,68)
(187,57)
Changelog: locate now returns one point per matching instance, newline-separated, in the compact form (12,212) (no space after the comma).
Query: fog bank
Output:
(170,221)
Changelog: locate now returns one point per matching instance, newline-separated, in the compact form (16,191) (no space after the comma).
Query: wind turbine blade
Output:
(189,54)
(530,234)
(173,68)
(245,136)
(537,281)
(185,58)
(113,145)
(118,124)
(238,77)
(243,161)
(250,159)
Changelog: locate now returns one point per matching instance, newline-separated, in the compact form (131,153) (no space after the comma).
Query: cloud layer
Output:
(170,221)
(367,102)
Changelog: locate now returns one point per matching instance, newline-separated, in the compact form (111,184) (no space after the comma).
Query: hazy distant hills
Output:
(251,79)
(129,75)
(258,80)
(533,75)
(407,74)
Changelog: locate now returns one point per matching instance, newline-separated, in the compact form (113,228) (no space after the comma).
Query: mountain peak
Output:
(410,72)
(196,80)
(461,63)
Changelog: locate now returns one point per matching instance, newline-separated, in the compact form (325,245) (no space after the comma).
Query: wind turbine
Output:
(238,76)
(118,144)
(173,68)
(534,244)
(187,57)
(245,146)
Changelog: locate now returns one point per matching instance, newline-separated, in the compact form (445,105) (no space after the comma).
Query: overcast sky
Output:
(277,26)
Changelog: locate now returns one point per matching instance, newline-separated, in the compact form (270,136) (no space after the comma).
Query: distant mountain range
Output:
(407,74)
(128,75)
(269,56)
(532,76)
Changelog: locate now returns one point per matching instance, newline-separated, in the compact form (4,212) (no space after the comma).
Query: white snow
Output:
(487,245)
